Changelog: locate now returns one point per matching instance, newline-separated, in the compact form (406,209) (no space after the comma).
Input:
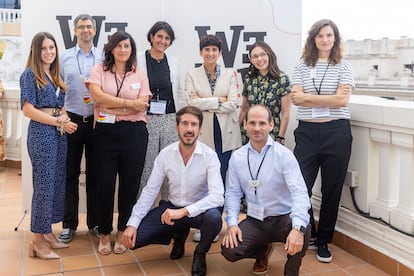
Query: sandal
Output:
(119,248)
(104,249)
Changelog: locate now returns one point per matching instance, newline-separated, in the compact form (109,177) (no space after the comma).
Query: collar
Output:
(269,143)
(79,50)
(218,70)
(197,150)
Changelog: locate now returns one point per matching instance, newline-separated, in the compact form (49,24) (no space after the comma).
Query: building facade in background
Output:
(384,62)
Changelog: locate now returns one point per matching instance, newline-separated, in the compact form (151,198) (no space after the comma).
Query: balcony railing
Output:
(12,121)
(10,22)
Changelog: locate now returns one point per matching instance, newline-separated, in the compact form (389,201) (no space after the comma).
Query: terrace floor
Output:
(82,258)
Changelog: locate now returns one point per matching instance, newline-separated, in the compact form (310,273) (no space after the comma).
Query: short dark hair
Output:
(161,25)
(210,40)
(269,113)
(189,110)
(84,16)
(113,41)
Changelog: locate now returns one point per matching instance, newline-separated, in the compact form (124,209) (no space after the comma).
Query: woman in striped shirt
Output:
(321,88)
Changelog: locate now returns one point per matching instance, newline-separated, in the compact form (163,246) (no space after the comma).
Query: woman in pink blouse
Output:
(121,93)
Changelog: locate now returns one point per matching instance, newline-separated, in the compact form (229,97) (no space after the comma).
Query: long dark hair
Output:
(274,71)
(113,41)
(34,62)
(310,51)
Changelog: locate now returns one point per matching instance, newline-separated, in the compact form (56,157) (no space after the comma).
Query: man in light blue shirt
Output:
(75,66)
(276,196)
(195,195)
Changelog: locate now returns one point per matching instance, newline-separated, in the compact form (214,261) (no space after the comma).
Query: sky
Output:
(361,19)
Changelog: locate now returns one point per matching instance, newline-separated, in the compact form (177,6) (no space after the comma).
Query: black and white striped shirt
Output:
(325,78)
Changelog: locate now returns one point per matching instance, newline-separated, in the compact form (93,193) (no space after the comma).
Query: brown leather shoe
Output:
(261,266)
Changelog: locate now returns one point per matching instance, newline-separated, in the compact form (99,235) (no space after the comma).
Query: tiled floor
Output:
(82,258)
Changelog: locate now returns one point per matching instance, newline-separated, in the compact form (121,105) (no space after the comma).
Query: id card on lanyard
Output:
(106,117)
(255,210)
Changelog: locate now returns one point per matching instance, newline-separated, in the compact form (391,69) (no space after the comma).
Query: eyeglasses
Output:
(81,27)
(257,56)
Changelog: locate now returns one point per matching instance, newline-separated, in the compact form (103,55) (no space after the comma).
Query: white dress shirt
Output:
(196,186)
(282,189)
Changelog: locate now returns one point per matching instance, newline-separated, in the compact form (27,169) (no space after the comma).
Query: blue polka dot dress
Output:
(47,152)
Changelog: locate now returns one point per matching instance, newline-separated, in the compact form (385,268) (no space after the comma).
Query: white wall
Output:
(280,21)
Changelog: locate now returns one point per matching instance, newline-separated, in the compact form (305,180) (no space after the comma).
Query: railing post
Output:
(388,168)
(402,217)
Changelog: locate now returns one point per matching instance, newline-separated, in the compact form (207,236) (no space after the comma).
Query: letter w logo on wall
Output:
(229,53)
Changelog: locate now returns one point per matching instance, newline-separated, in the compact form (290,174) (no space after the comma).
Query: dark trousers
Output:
(224,157)
(152,231)
(120,150)
(258,234)
(79,142)
(326,146)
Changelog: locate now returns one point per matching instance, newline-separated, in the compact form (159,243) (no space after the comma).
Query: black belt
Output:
(79,118)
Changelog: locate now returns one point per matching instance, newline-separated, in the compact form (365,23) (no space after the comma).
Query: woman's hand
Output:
(70,127)
(223,99)
(297,97)
(64,118)
(194,95)
(141,104)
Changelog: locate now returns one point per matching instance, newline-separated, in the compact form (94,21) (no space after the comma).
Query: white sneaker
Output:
(216,238)
(312,244)
(197,236)
(66,235)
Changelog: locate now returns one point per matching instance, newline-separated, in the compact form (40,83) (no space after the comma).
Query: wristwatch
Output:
(300,228)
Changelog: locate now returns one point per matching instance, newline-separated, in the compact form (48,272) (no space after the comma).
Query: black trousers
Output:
(152,231)
(258,234)
(224,157)
(326,146)
(120,150)
(79,142)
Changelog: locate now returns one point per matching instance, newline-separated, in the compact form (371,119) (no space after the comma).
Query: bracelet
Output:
(124,105)
(134,104)
(61,128)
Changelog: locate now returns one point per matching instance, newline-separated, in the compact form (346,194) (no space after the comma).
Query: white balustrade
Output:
(12,121)
(10,15)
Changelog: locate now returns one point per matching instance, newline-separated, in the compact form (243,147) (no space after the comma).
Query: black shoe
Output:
(199,264)
(324,255)
(179,244)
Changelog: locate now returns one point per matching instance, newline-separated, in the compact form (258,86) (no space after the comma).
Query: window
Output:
(9,4)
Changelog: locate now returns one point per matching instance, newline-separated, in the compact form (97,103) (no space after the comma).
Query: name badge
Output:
(135,86)
(313,73)
(158,107)
(254,183)
(106,118)
(255,211)
(319,112)
(87,99)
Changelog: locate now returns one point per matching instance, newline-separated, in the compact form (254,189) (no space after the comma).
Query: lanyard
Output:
(323,77)
(118,88)
(260,166)
(77,59)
